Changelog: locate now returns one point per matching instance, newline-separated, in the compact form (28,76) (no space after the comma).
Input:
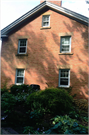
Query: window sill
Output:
(19,83)
(63,86)
(45,28)
(65,53)
(21,54)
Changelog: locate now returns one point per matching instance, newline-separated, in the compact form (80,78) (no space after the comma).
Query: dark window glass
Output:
(19,79)
(22,49)
(63,81)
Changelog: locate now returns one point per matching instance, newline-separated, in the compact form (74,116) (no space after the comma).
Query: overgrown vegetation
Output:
(42,112)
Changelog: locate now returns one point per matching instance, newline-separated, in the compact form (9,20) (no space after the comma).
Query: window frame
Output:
(19,76)
(65,45)
(22,47)
(65,86)
(46,21)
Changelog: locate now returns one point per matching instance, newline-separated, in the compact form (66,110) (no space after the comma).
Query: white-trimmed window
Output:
(22,46)
(65,44)
(45,20)
(19,76)
(64,78)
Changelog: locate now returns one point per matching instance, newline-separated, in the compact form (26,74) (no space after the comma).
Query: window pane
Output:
(20,72)
(64,73)
(65,48)
(22,49)
(19,79)
(63,81)
(46,18)
(65,40)
(22,42)
(46,23)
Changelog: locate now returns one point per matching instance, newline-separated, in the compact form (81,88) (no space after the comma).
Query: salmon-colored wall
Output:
(43,60)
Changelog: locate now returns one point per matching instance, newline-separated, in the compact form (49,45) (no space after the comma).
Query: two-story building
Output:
(47,46)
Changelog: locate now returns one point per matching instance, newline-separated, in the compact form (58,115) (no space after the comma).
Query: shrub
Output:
(21,97)
(66,125)
(4,90)
(7,102)
(53,100)
(30,130)
(15,89)
(81,104)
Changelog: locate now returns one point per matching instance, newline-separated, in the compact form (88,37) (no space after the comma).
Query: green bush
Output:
(30,130)
(52,100)
(66,125)
(15,89)
(8,102)
(21,97)
(3,91)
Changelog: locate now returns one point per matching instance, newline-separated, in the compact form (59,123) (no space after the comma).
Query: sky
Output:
(13,9)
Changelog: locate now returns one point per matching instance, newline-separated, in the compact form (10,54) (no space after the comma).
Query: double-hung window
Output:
(45,20)
(64,78)
(20,76)
(65,44)
(22,46)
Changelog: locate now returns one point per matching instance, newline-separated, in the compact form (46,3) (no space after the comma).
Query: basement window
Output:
(45,20)
(22,46)
(64,78)
(65,44)
(19,76)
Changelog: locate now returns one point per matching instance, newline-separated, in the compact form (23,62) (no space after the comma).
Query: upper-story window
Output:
(65,44)
(45,20)
(22,46)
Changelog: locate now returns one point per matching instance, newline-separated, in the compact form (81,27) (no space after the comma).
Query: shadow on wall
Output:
(40,63)
(79,75)
(42,60)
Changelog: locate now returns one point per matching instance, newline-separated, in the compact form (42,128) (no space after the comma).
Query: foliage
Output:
(75,114)
(35,115)
(30,130)
(66,125)
(21,98)
(8,102)
(53,100)
(81,104)
(15,89)
(3,90)
(30,110)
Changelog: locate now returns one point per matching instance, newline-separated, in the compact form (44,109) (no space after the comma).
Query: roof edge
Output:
(63,10)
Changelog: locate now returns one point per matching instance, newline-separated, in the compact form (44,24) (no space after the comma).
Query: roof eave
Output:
(37,9)
(22,18)
(2,36)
